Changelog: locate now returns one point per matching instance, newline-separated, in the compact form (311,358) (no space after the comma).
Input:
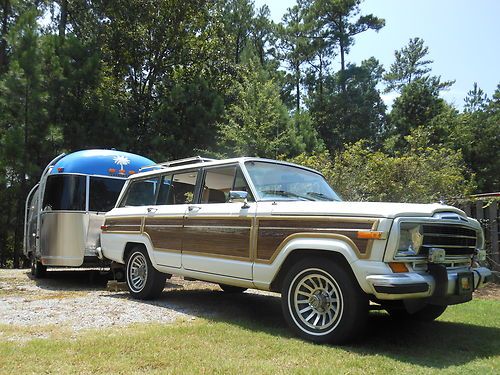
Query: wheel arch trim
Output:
(266,273)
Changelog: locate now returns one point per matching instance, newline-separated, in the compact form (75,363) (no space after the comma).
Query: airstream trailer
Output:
(65,210)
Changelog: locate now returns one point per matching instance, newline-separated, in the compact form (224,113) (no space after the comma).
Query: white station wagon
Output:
(276,226)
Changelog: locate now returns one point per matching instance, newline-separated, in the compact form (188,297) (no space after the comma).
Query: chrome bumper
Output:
(399,286)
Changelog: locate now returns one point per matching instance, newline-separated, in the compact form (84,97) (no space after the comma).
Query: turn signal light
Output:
(398,267)
(370,235)
(104,227)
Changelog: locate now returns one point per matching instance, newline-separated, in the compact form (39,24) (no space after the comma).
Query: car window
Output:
(182,188)
(220,181)
(141,192)
(164,195)
(274,181)
(240,184)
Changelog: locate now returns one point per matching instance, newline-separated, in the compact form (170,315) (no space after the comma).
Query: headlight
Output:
(410,239)
(480,239)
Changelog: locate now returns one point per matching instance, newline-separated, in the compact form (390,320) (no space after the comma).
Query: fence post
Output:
(493,224)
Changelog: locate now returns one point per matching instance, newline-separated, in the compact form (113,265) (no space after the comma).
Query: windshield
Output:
(284,182)
(65,192)
(104,192)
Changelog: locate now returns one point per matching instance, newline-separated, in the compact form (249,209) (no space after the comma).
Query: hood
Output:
(365,209)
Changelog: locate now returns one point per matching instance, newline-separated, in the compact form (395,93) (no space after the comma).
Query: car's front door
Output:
(217,233)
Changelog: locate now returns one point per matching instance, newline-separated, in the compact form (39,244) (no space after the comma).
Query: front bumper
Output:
(408,285)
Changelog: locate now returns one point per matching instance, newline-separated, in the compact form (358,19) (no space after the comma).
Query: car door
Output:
(164,221)
(217,233)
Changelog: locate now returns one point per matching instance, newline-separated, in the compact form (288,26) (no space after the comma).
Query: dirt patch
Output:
(76,300)
(490,291)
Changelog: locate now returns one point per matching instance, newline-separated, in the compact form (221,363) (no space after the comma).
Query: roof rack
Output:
(191,160)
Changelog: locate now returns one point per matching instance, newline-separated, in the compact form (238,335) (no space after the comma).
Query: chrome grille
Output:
(455,239)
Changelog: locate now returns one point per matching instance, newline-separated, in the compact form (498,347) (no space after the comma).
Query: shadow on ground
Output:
(437,345)
(72,280)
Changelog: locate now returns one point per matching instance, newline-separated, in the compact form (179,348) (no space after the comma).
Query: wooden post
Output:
(479,210)
(493,219)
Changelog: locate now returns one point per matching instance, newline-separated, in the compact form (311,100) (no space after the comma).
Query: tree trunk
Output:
(342,45)
(297,91)
(63,20)
(5,29)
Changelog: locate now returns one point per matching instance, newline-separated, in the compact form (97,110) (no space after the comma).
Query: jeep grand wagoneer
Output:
(270,225)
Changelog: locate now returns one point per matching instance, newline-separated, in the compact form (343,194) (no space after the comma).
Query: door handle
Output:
(194,208)
(152,210)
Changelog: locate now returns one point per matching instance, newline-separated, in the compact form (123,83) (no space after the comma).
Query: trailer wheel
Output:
(38,270)
(143,280)
(322,303)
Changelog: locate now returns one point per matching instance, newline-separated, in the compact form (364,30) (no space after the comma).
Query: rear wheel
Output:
(428,313)
(232,289)
(38,270)
(143,280)
(322,302)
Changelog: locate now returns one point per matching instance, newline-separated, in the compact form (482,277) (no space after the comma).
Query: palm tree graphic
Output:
(121,161)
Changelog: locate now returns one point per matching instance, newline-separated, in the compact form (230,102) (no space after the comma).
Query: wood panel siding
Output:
(123,224)
(220,237)
(165,233)
(272,233)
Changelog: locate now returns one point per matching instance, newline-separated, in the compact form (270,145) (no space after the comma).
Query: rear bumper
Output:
(422,285)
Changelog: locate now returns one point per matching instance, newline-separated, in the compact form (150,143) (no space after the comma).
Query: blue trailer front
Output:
(65,211)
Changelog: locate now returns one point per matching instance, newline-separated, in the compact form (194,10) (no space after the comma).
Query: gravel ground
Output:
(76,300)
(70,301)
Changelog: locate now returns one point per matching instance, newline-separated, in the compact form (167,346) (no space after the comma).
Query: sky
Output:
(463,37)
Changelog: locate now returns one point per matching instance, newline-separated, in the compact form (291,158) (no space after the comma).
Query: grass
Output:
(466,339)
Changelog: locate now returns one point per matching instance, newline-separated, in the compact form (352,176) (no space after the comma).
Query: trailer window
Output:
(64,192)
(104,192)
(141,193)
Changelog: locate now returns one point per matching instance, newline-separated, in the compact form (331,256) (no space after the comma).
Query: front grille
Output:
(455,239)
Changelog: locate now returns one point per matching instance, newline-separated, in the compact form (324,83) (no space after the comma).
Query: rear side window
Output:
(141,192)
(104,192)
(183,188)
(164,196)
(65,192)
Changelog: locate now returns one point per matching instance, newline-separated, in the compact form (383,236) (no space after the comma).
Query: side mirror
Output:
(236,196)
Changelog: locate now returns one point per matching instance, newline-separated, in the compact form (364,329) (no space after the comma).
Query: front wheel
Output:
(322,302)
(143,280)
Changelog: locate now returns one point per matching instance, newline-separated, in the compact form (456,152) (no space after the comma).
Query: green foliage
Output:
(422,174)
(257,123)
(411,65)
(340,23)
(350,107)
(476,100)
(418,104)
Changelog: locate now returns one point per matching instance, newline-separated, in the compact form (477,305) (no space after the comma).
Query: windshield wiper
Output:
(287,194)
(321,196)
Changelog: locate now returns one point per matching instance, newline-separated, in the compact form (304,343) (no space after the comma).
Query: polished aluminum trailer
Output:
(65,210)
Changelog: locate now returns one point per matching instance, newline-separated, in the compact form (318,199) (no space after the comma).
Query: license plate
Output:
(465,282)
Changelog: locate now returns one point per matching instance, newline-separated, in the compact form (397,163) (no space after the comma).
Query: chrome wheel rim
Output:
(137,272)
(316,300)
